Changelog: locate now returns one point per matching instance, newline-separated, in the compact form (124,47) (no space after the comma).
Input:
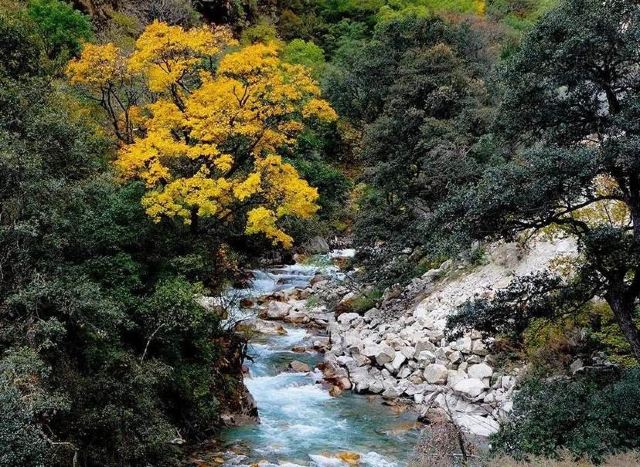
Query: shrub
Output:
(62,27)
(590,416)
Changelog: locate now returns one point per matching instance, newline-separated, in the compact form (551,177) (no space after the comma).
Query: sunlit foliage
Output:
(202,124)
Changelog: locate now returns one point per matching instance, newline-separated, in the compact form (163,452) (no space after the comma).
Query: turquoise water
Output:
(301,424)
(300,420)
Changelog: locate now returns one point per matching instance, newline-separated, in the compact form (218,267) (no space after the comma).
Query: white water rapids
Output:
(300,423)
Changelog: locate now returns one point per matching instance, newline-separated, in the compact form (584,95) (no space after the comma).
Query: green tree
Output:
(85,279)
(422,105)
(570,137)
(62,27)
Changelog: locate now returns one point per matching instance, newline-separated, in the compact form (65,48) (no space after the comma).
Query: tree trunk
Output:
(623,311)
(195,224)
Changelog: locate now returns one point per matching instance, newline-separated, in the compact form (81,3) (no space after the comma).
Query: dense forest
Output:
(152,152)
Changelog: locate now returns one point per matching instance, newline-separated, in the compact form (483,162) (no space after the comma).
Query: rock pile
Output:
(405,359)
(400,350)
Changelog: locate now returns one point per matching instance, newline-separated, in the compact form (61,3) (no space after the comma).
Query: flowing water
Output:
(300,423)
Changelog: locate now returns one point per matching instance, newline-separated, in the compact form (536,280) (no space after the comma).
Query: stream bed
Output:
(300,422)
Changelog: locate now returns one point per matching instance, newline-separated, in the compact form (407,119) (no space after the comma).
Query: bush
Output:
(62,27)
(590,416)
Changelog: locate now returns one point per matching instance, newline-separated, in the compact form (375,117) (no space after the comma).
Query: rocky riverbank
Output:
(285,315)
(399,349)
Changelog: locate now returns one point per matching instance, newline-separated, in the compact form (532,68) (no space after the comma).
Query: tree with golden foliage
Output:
(201,122)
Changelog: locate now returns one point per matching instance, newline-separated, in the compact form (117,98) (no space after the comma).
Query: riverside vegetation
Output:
(480,156)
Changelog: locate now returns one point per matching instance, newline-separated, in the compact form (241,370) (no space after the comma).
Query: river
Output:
(301,424)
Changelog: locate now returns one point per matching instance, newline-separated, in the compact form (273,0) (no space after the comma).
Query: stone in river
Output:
(276,310)
(299,367)
(351,458)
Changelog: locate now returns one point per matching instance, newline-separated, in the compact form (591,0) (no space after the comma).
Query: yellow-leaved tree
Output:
(202,122)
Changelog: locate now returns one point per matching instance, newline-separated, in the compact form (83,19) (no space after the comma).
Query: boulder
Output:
(577,365)
(398,360)
(476,424)
(470,387)
(426,356)
(345,305)
(371,349)
(276,310)
(346,318)
(455,356)
(316,245)
(480,371)
(407,351)
(299,367)
(385,354)
(435,374)
(478,348)
(424,344)
(453,376)
(391,393)
(298,317)
(321,343)
(464,344)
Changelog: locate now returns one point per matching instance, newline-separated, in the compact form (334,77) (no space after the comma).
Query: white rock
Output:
(370,349)
(470,387)
(398,360)
(508,382)
(277,310)
(413,389)
(453,376)
(375,386)
(473,359)
(346,318)
(426,356)
(480,371)
(435,374)
(407,351)
(479,348)
(576,365)
(464,344)
(324,461)
(455,357)
(385,354)
(344,360)
(424,344)
(476,424)
(391,393)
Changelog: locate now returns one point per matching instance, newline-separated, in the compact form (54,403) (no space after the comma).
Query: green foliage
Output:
(365,301)
(24,402)
(513,309)
(62,27)
(21,49)
(260,32)
(104,352)
(403,8)
(305,53)
(591,416)
(332,184)
(563,88)
(422,105)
